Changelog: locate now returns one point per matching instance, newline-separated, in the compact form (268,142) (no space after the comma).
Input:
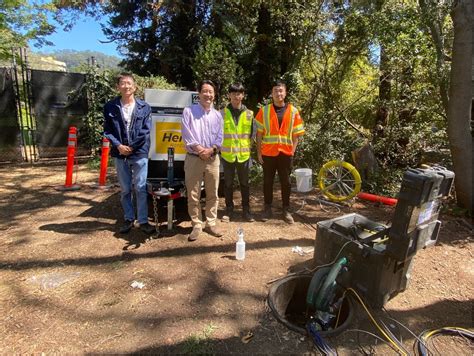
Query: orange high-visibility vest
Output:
(277,139)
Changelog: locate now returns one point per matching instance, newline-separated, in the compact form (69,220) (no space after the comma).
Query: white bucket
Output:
(304,179)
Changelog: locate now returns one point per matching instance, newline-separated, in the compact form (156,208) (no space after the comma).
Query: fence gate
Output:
(43,110)
(55,109)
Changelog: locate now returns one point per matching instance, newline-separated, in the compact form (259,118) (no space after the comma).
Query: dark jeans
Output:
(243,175)
(281,164)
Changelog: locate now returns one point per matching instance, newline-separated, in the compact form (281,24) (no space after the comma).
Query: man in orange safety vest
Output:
(279,127)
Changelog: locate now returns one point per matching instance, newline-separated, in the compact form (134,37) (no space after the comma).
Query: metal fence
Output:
(55,108)
(36,109)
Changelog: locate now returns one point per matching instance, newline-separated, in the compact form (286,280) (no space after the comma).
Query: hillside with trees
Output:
(76,61)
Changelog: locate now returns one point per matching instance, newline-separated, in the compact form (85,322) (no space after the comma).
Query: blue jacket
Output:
(139,136)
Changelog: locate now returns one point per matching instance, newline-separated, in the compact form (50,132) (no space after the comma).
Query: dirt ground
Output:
(66,275)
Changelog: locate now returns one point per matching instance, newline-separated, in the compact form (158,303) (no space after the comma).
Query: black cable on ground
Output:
(429,334)
(407,329)
(373,335)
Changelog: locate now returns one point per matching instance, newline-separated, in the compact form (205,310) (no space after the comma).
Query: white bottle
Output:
(240,245)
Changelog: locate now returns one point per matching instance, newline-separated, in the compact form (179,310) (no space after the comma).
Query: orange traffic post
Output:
(104,163)
(70,157)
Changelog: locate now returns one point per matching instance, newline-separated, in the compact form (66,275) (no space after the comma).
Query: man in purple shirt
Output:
(202,132)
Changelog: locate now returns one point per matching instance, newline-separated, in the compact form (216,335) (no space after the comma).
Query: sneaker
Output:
(267,213)
(287,216)
(126,227)
(212,230)
(147,228)
(247,216)
(193,236)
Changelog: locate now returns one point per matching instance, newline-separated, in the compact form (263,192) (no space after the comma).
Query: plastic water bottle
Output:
(240,245)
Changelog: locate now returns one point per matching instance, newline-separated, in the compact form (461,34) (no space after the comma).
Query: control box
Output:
(380,255)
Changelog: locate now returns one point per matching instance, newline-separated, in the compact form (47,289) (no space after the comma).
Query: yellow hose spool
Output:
(339,180)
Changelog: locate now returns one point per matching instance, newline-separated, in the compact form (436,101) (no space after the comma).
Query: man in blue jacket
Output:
(127,126)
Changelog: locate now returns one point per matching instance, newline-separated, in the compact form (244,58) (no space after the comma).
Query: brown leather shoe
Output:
(212,230)
(193,236)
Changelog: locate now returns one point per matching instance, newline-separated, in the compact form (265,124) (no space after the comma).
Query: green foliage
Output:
(99,88)
(452,209)
(256,173)
(151,82)
(214,62)
(21,21)
(199,343)
(321,144)
(157,38)
(94,163)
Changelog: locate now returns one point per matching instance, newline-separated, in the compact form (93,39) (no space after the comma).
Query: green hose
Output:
(315,285)
(322,298)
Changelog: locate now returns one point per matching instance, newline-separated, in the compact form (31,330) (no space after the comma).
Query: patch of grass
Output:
(200,343)
(113,300)
(94,163)
(117,265)
(456,211)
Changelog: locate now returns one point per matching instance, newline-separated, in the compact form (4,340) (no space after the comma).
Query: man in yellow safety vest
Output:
(235,150)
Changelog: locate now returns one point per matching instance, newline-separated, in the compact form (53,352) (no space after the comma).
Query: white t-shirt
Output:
(127,111)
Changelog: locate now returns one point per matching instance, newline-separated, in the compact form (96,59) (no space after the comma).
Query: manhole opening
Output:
(287,299)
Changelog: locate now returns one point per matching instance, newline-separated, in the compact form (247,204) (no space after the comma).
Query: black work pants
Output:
(242,169)
(281,164)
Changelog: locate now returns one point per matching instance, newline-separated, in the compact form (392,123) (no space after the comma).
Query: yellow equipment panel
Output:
(168,134)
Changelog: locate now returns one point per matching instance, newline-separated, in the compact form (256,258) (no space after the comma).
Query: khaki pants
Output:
(196,171)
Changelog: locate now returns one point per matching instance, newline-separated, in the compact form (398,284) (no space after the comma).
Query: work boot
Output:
(213,230)
(193,236)
(247,215)
(126,227)
(267,213)
(287,216)
(228,215)
(147,228)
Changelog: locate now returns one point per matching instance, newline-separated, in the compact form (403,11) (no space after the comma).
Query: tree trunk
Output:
(385,88)
(434,24)
(263,52)
(460,101)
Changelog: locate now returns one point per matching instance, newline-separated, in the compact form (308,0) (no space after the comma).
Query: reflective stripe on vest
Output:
(275,141)
(236,144)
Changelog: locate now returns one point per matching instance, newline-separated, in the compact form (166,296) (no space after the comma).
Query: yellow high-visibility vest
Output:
(236,144)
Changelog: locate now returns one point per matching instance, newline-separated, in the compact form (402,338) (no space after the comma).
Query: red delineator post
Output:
(104,161)
(71,153)
(70,157)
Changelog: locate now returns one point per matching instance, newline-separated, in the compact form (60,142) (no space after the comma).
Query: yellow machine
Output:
(167,152)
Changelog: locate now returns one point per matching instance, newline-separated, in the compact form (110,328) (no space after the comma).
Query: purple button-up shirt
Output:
(199,127)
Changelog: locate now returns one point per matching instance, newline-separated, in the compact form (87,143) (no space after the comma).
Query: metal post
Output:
(170,207)
(19,112)
(30,111)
